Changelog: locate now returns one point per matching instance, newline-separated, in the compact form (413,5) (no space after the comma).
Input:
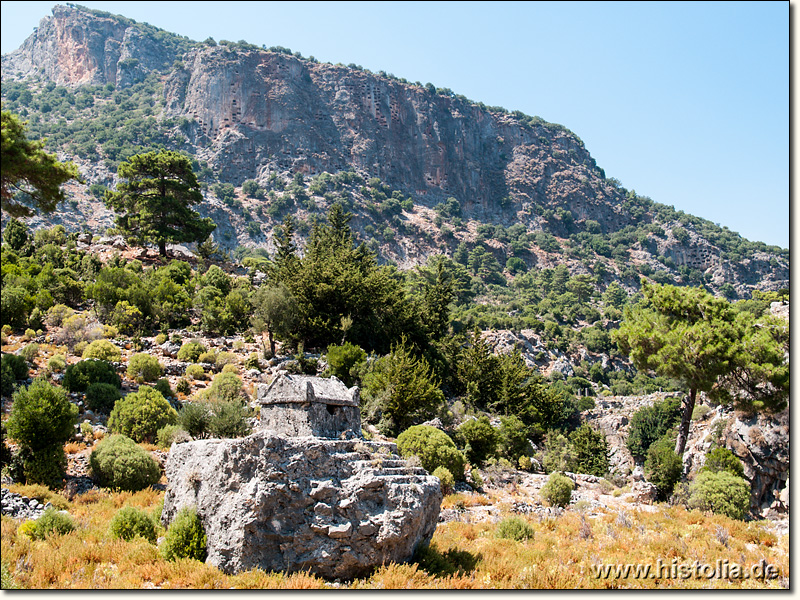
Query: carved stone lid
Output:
(301,389)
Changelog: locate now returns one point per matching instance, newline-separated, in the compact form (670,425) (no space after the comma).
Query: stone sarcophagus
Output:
(303,405)
(304,492)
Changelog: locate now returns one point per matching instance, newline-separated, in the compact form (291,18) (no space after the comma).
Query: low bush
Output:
(721,493)
(663,466)
(14,368)
(515,528)
(650,423)
(590,451)
(195,371)
(140,415)
(143,367)
(81,375)
(30,352)
(208,358)
(57,363)
(103,350)
(162,386)
(190,351)
(169,434)
(446,480)
(342,360)
(185,537)
(183,387)
(52,523)
(225,387)
(130,522)
(101,397)
(118,463)
(557,491)
(434,449)
(722,459)
(480,440)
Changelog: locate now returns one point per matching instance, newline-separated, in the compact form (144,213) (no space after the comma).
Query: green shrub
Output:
(103,350)
(17,364)
(721,493)
(183,387)
(101,397)
(445,479)
(14,368)
(30,352)
(229,419)
(45,466)
(185,537)
(590,451)
(143,367)
(118,463)
(130,522)
(41,416)
(225,359)
(476,481)
(342,360)
(558,453)
(195,371)
(81,375)
(558,490)
(663,466)
(225,387)
(194,418)
(57,363)
(513,438)
(162,386)
(525,463)
(433,447)
(479,439)
(208,358)
(52,523)
(169,434)
(515,528)
(160,339)
(650,423)
(722,459)
(190,351)
(140,415)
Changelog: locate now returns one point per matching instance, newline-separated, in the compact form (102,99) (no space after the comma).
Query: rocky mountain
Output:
(424,170)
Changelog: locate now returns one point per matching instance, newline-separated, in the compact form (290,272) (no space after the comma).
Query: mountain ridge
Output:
(269,116)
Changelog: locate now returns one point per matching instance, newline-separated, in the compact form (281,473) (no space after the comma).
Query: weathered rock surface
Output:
(336,508)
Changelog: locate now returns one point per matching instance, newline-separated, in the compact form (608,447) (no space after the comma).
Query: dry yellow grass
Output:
(561,554)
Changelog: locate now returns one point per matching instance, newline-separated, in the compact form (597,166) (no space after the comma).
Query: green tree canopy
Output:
(687,334)
(154,199)
(27,168)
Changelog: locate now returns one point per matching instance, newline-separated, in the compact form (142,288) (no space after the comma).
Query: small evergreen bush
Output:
(722,459)
(445,479)
(663,466)
(342,360)
(130,522)
(51,523)
(558,490)
(30,352)
(433,447)
(162,386)
(81,375)
(185,537)
(143,367)
(480,440)
(515,528)
(208,358)
(140,415)
(103,350)
(118,463)
(590,451)
(721,493)
(195,371)
(101,397)
(169,434)
(14,368)
(190,351)
(183,387)
(650,423)
(57,363)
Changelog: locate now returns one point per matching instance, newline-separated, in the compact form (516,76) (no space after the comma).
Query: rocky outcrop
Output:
(332,507)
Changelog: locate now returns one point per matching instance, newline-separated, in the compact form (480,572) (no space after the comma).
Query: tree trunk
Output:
(686,418)
(162,248)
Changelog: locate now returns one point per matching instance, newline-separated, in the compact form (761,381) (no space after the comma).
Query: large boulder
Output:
(336,508)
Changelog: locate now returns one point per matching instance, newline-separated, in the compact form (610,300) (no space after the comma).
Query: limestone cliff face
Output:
(74,48)
(259,112)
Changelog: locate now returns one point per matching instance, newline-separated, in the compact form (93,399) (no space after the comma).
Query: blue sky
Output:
(687,102)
